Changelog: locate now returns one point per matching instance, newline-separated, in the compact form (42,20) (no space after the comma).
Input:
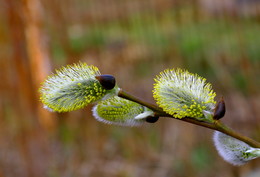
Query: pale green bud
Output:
(233,150)
(183,94)
(119,111)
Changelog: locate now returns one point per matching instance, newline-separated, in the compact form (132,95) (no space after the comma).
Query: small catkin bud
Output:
(152,119)
(233,150)
(220,109)
(107,81)
(119,111)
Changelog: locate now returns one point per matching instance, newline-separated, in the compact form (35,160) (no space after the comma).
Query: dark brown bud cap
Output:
(152,119)
(220,109)
(107,81)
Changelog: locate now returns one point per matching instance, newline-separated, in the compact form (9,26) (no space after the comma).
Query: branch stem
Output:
(215,125)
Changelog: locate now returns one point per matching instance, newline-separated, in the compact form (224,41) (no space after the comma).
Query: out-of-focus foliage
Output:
(133,40)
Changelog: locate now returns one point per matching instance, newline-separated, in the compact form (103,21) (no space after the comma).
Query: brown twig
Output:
(214,125)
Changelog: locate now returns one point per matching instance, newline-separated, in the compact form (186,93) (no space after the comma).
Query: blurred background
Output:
(133,40)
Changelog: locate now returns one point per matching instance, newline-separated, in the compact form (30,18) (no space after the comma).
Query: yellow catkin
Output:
(119,111)
(71,88)
(183,94)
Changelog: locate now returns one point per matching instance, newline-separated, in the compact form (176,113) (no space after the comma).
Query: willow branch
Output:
(215,125)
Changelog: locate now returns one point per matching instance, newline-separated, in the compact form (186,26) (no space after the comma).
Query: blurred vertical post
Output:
(37,53)
(29,65)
